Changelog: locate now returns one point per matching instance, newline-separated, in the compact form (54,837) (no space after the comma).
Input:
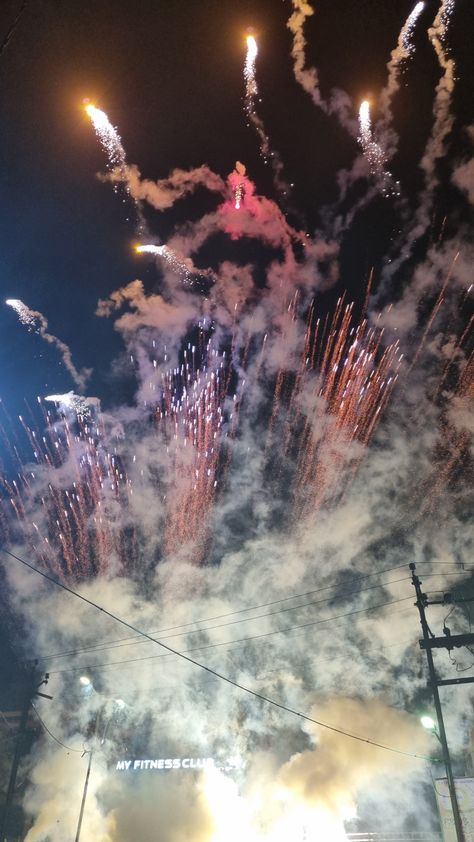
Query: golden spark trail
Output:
(111,143)
(170,257)
(347,379)
(374,154)
(109,138)
(251,93)
(191,419)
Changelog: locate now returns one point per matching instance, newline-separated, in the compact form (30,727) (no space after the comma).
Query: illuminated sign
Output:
(173,763)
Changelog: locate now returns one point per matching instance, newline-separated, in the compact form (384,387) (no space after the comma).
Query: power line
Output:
(98,647)
(227,642)
(211,671)
(132,641)
(227,614)
(56,739)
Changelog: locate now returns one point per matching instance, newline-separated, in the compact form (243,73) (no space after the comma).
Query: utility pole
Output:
(421,603)
(90,751)
(31,690)
(84,795)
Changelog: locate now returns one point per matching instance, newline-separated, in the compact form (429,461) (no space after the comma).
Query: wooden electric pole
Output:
(428,643)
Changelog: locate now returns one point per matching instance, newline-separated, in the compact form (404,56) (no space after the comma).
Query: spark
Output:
(74,403)
(238,196)
(80,534)
(355,379)
(374,154)
(251,92)
(268,154)
(108,136)
(26,316)
(402,52)
(34,320)
(405,39)
(117,161)
(249,68)
(170,257)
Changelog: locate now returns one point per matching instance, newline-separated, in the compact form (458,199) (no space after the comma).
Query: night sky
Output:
(169,76)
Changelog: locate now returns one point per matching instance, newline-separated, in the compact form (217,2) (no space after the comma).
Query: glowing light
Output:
(170,256)
(407,32)
(428,723)
(249,67)
(85,681)
(238,196)
(373,152)
(108,136)
(251,93)
(26,316)
(365,125)
(74,403)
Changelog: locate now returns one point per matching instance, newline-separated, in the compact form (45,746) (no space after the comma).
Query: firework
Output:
(373,153)
(77,404)
(251,93)
(78,532)
(238,196)
(69,524)
(34,320)
(109,138)
(402,52)
(111,143)
(443,118)
(347,377)
(249,68)
(250,451)
(191,418)
(405,40)
(169,256)
(27,317)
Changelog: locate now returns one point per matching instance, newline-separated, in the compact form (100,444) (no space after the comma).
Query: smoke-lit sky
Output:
(170,77)
(320,448)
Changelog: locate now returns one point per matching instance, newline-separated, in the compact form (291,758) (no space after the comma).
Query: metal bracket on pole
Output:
(421,602)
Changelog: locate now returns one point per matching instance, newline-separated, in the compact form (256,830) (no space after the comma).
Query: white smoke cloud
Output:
(292,601)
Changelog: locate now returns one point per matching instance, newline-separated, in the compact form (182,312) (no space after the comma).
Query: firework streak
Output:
(169,256)
(109,138)
(403,51)
(111,143)
(34,320)
(191,419)
(78,534)
(346,377)
(374,154)
(251,93)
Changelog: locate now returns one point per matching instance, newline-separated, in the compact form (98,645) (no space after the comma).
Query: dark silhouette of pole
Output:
(84,795)
(420,603)
(89,764)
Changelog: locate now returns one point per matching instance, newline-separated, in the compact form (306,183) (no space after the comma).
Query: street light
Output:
(428,722)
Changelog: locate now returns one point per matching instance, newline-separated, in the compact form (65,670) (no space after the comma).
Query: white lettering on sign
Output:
(177,763)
